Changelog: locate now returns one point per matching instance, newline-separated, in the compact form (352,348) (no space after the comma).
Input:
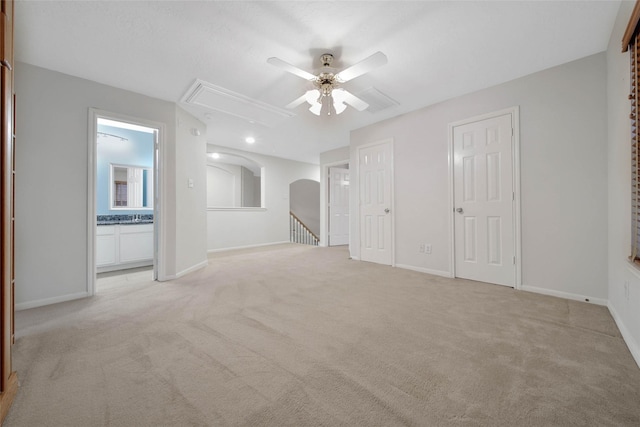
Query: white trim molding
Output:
(425,270)
(565,295)
(233,248)
(47,301)
(633,346)
(191,269)
(247,209)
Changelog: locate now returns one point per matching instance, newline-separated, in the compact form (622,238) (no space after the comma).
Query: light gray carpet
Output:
(301,336)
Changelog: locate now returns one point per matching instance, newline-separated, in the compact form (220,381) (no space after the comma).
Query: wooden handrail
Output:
(632,25)
(304,226)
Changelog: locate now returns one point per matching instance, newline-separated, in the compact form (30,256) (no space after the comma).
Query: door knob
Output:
(386,210)
(459,210)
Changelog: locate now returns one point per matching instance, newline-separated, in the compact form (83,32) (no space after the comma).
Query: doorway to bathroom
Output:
(124,185)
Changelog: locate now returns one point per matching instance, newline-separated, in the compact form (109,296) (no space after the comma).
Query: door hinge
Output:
(514,260)
(513,196)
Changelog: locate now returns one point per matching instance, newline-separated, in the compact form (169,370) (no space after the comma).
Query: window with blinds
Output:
(120,195)
(631,43)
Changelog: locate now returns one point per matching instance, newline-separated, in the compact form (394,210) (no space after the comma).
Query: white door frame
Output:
(515,123)
(389,141)
(158,184)
(324,203)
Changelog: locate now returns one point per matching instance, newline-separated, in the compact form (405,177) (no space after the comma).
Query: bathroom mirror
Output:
(131,187)
(233,181)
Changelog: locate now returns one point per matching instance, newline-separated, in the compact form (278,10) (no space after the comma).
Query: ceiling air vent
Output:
(215,98)
(377,100)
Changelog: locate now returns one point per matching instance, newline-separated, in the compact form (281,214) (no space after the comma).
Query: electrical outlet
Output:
(427,248)
(421,248)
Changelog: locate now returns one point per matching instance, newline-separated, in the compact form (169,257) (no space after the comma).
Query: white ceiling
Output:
(436,50)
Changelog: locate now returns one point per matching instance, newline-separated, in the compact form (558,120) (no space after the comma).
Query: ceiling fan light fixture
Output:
(316,108)
(312,96)
(328,97)
(338,96)
(339,106)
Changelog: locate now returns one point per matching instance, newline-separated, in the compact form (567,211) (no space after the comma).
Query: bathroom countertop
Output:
(125,222)
(124,219)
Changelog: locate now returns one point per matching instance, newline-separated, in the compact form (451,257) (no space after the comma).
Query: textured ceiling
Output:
(436,51)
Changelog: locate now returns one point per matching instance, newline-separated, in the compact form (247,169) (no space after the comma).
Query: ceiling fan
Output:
(328,95)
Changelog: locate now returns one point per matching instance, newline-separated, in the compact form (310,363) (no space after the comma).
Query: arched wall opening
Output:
(304,203)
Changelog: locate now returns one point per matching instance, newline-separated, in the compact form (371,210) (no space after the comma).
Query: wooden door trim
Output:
(8,377)
(7,395)
(515,123)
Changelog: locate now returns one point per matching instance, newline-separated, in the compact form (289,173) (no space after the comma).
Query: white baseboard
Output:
(191,269)
(566,295)
(425,270)
(48,301)
(233,248)
(633,346)
(124,266)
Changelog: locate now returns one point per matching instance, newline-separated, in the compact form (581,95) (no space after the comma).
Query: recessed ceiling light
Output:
(215,155)
(250,140)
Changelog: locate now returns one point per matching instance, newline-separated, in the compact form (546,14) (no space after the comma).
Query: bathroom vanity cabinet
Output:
(121,246)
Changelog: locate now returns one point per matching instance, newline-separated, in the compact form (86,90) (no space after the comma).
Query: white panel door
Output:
(338,206)
(484,201)
(375,165)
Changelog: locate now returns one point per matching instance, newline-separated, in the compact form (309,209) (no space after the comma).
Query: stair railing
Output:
(300,233)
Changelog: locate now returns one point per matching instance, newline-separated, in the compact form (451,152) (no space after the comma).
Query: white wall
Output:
(626,311)
(224,185)
(339,156)
(563,177)
(235,228)
(191,202)
(51,182)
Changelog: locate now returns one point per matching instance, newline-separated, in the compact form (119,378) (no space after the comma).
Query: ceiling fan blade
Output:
(374,61)
(290,68)
(310,96)
(354,101)
(296,102)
